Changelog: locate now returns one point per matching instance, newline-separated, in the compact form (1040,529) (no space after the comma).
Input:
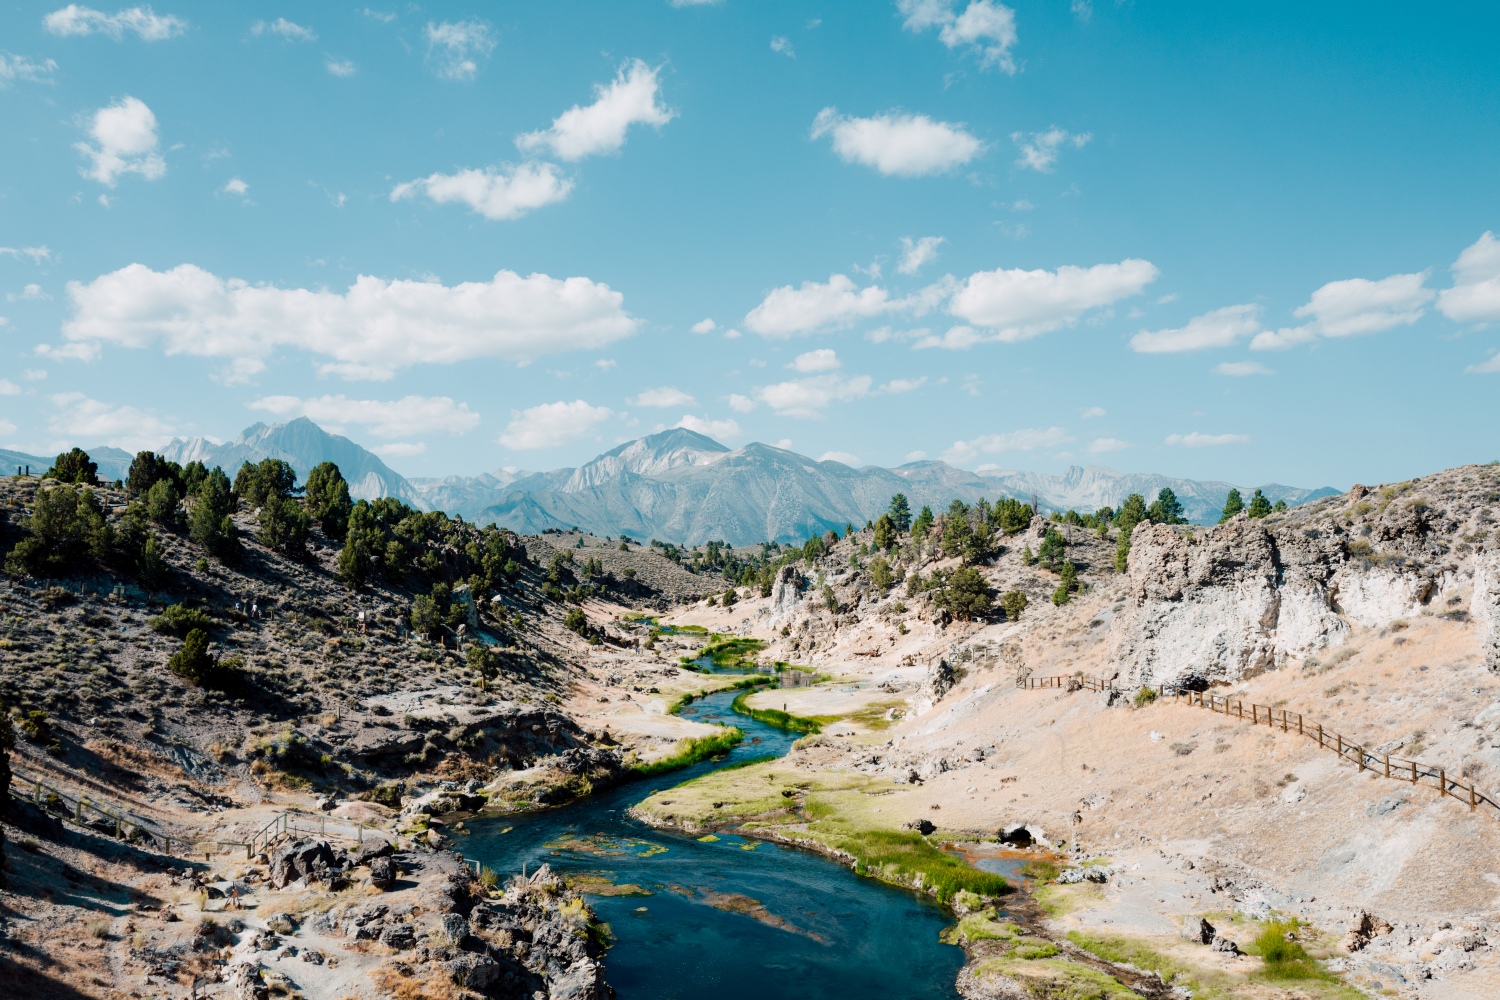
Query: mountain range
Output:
(683,487)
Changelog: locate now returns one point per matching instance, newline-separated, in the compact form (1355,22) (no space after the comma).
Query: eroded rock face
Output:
(787,591)
(1247,596)
(1485,607)
(303,859)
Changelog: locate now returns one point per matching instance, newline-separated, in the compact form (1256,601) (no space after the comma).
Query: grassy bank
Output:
(834,814)
(690,751)
(776,717)
(692,696)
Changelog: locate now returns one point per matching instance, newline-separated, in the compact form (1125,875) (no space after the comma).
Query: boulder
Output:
(455,926)
(382,873)
(923,826)
(1224,945)
(477,972)
(245,983)
(371,848)
(306,858)
(399,936)
(1363,926)
(1198,930)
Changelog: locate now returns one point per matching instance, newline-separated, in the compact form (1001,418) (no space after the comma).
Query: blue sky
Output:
(1245,243)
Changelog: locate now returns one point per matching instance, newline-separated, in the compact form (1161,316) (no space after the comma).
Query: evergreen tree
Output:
(146,470)
(283,526)
(154,570)
(1132,512)
(192,662)
(1280,507)
(922,524)
(956,530)
(576,621)
(966,595)
(255,484)
(210,524)
(881,575)
(1259,505)
(74,466)
(327,497)
(1052,549)
(980,543)
(67,530)
(1233,504)
(163,502)
(1027,558)
(1122,550)
(1068,575)
(900,514)
(886,532)
(192,477)
(362,541)
(830,599)
(1166,509)
(1013,603)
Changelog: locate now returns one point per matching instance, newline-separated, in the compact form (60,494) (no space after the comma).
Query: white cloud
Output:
(986,28)
(896,144)
(843,457)
(605,364)
(405,417)
(80,420)
(788,311)
(455,47)
(1105,445)
(1039,150)
(809,397)
(705,326)
(1019,304)
(125,143)
(667,395)
(341,67)
(916,456)
(1475,295)
(14,68)
(35,254)
(6,427)
(28,293)
(9,388)
(716,429)
(370,331)
(821,360)
(553,424)
(601,127)
(1197,440)
(783,46)
(731,334)
(1490,367)
(1029,439)
(915,254)
(141,21)
(507,192)
(400,449)
(236,186)
(1219,328)
(289,30)
(383,16)
(1092,412)
(896,386)
(741,404)
(1241,369)
(34,374)
(785,444)
(956,338)
(1356,306)
(1280,340)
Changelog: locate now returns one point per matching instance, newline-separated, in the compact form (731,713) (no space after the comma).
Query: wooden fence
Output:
(1396,768)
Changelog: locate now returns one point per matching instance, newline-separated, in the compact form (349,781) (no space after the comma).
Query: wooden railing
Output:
(1413,772)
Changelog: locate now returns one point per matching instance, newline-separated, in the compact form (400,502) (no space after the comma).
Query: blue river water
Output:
(731,918)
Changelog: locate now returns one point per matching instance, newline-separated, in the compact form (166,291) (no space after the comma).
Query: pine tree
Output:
(1013,604)
(886,532)
(327,497)
(900,514)
(1132,512)
(1259,505)
(923,524)
(154,569)
(192,662)
(1233,504)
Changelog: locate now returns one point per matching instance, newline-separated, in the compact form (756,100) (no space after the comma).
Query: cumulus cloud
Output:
(809,397)
(787,311)
(341,67)
(1039,150)
(289,30)
(667,395)
(374,329)
(896,386)
(1197,440)
(1280,340)
(507,192)
(143,22)
(740,404)
(1242,369)
(633,98)
(78,419)
(14,68)
(821,360)
(125,142)
(1219,328)
(1092,412)
(454,48)
(552,425)
(236,186)
(705,326)
(29,292)
(1356,306)
(405,417)
(716,429)
(1017,305)
(1475,295)
(1028,439)
(1490,367)
(782,45)
(895,144)
(842,457)
(400,449)
(915,254)
(9,388)
(1105,445)
(985,28)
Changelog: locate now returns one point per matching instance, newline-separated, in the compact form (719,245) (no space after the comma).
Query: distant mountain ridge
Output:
(684,487)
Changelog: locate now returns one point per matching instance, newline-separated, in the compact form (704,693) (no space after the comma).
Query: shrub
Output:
(194,664)
(1283,954)
(1013,603)
(576,621)
(1145,696)
(179,620)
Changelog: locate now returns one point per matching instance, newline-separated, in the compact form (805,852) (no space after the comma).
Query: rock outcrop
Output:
(787,591)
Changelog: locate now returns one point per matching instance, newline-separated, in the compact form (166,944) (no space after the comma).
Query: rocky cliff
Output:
(1224,603)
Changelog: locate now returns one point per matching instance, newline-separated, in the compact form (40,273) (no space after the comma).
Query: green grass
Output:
(690,751)
(1286,960)
(906,858)
(980,927)
(732,651)
(749,762)
(776,717)
(1125,951)
(1040,871)
(687,699)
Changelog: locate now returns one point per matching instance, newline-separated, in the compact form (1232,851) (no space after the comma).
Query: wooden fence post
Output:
(1442,782)
(1320,734)
(1361,752)
(1413,772)
(1387,765)
(1473,797)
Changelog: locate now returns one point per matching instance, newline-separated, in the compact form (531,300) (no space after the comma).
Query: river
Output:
(730,918)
